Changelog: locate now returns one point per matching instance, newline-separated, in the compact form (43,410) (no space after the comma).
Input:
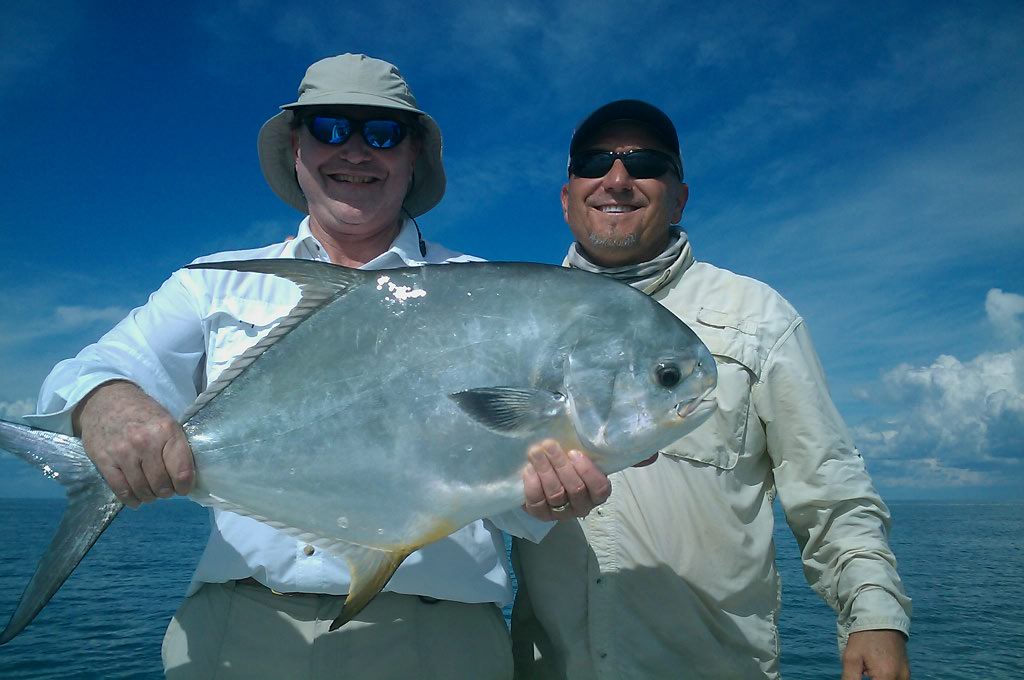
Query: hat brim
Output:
(277,160)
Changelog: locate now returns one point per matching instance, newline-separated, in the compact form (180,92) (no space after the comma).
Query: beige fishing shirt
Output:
(674,577)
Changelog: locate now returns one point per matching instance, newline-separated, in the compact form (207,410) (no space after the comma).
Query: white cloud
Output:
(953,423)
(63,320)
(1004,311)
(75,316)
(12,411)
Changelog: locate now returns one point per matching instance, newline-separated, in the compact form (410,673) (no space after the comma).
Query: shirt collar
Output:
(404,251)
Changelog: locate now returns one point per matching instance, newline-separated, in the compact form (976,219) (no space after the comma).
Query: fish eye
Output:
(668,375)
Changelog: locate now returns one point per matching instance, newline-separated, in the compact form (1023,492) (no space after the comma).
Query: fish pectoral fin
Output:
(511,411)
(370,569)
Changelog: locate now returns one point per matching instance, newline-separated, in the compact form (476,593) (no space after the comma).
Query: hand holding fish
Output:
(135,443)
(560,485)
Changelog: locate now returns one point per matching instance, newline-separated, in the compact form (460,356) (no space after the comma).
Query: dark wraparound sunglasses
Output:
(379,133)
(640,163)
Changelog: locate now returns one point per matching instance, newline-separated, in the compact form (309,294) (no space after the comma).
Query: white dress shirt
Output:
(190,330)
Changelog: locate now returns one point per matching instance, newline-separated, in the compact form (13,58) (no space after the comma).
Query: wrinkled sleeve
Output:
(839,520)
(158,346)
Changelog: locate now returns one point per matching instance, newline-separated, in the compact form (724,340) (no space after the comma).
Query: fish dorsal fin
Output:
(319,283)
(304,273)
(510,411)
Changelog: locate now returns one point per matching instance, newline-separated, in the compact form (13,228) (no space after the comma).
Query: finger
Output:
(111,472)
(543,512)
(598,486)
(887,669)
(543,457)
(179,463)
(536,504)
(570,480)
(572,486)
(137,481)
(127,455)
(852,668)
(532,490)
(118,483)
(155,471)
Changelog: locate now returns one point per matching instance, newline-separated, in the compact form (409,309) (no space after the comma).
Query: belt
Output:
(250,581)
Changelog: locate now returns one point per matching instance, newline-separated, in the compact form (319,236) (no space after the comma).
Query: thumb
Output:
(177,457)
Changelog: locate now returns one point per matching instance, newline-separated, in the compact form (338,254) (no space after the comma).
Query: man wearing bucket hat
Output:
(675,577)
(360,160)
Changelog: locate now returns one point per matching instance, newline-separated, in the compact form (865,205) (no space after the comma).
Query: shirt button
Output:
(308,550)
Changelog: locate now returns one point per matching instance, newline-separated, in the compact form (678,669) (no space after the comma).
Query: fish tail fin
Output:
(91,508)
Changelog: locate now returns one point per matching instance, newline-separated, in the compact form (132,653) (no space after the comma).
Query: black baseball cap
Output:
(647,115)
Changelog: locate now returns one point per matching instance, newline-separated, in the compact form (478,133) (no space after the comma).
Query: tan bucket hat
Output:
(352,80)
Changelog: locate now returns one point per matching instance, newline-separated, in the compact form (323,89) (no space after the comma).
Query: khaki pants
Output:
(230,630)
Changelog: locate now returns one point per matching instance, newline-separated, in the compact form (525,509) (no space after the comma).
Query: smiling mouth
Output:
(616,209)
(352,179)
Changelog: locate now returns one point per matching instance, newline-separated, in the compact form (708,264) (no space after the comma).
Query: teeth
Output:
(617,208)
(353,178)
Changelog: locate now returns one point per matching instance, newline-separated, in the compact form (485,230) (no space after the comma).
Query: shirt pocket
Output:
(721,440)
(235,324)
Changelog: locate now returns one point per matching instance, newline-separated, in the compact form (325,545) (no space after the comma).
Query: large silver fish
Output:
(420,391)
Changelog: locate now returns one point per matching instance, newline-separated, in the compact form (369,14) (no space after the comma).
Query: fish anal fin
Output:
(511,411)
(370,570)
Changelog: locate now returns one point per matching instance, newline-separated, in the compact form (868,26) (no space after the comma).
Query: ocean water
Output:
(963,564)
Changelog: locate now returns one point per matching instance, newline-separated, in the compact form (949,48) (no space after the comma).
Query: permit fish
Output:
(393,407)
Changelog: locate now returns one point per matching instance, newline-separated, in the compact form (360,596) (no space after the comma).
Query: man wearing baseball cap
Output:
(675,577)
(356,156)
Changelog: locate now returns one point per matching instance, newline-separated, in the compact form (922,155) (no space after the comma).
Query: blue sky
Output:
(865,159)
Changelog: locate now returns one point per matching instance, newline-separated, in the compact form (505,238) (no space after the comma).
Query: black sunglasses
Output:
(640,163)
(379,133)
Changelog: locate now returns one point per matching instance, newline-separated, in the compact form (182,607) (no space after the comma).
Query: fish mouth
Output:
(698,407)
